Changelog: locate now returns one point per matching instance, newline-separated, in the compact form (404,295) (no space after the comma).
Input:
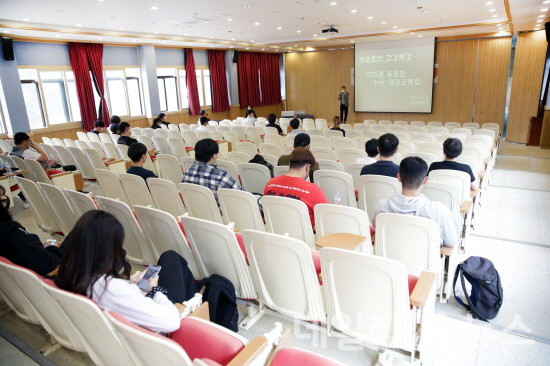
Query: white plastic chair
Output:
(427,157)
(146,140)
(39,206)
(280,170)
(350,155)
(111,151)
(459,179)
(64,155)
(355,171)
(14,297)
(285,274)
(58,141)
(166,196)
(288,215)
(177,147)
(59,206)
(49,150)
(200,202)
(343,143)
(248,148)
(330,165)
(111,185)
(336,185)
(80,134)
(324,153)
(82,144)
(161,132)
(445,193)
(169,168)
(80,202)
(82,163)
(374,188)
(321,124)
(136,190)
(270,149)
(237,157)
(254,176)
(186,162)
(451,125)
(107,138)
(320,141)
(434,148)
(190,138)
(94,159)
(241,208)
(161,144)
(254,134)
(230,168)
(275,140)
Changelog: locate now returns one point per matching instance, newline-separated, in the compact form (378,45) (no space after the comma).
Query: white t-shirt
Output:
(157,314)
(30,154)
(203,128)
(367,161)
(250,119)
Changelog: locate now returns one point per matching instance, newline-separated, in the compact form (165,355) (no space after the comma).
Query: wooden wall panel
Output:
(526,83)
(313,80)
(492,80)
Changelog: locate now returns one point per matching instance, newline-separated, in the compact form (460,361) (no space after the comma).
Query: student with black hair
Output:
(25,148)
(295,124)
(452,148)
(99,126)
(371,148)
(250,118)
(161,116)
(336,125)
(113,126)
(412,175)
(95,266)
(271,119)
(301,140)
(156,123)
(125,131)
(387,147)
(249,110)
(204,125)
(138,154)
(204,172)
(26,249)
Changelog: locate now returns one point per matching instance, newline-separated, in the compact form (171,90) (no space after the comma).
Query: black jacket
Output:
(26,249)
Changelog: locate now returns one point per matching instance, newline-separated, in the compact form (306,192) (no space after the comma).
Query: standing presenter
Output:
(343,97)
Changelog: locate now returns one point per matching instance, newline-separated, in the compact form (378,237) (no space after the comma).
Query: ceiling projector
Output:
(330,30)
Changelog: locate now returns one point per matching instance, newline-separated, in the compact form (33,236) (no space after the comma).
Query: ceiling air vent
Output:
(192,20)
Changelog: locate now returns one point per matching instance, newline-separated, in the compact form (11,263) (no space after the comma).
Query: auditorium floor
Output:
(511,229)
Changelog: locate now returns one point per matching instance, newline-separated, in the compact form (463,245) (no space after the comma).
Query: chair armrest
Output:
(60,174)
(107,163)
(249,354)
(447,251)
(466,207)
(202,312)
(474,193)
(481,174)
(422,290)
(284,342)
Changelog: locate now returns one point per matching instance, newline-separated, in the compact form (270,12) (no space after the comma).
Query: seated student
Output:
(301,140)
(115,120)
(95,266)
(249,110)
(125,131)
(336,125)
(204,172)
(271,119)
(161,116)
(203,125)
(250,117)
(452,148)
(26,249)
(138,154)
(387,147)
(202,113)
(294,185)
(412,175)
(99,126)
(371,148)
(25,148)
(295,124)
(157,122)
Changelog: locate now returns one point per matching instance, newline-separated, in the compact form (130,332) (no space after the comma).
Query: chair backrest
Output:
(57,141)
(336,185)
(285,274)
(174,127)
(452,125)
(381,314)
(169,168)
(475,150)
(330,165)
(241,208)
(288,215)
(401,123)
(80,202)
(99,339)
(136,131)
(186,162)
(161,144)
(321,124)
(40,208)
(344,143)
(82,144)
(333,219)
(46,140)
(462,130)
(333,133)
(184,126)
(81,136)
(471,124)
(254,134)
(237,157)
(459,179)
(325,153)
(177,147)
(200,202)
(411,240)
(350,155)
(164,233)
(48,149)
(37,171)
(146,140)
(136,190)
(218,252)
(82,163)
(229,167)
(435,124)
(56,323)
(98,146)
(111,151)
(162,132)
(14,297)
(248,148)
(254,176)
(94,159)
(135,242)
(111,185)
(427,157)
(93,137)
(320,141)
(166,196)
(64,155)
(275,140)
(280,170)
(434,148)
(21,164)
(445,193)
(374,188)
(271,149)
(60,207)
(149,132)
(105,137)
(355,171)
(190,138)
(123,151)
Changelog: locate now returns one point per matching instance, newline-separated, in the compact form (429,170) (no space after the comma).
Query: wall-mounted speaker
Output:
(235,56)
(547,28)
(7,48)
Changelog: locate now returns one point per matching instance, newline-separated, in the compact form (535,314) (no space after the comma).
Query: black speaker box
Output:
(235,56)
(547,28)
(7,48)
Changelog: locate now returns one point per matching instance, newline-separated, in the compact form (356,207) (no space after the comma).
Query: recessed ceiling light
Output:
(186,34)
(232,39)
(383,23)
(369,18)
(156,32)
(541,16)
(211,37)
(263,49)
(298,31)
(99,38)
(333,3)
(492,9)
(546,2)
(79,25)
(121,29)
(26,19)
(314,35)
(246,5)
(420,35)
(251,41)
(57,36)
(351,41)
(494,16)
(154,8)
(247,48)
(257,23)
(133,40)
(229,19)
(295,45)
(394,27)
(539,21)
(279,28)
(489,3)
(412,32)
(545,9)
(354,11)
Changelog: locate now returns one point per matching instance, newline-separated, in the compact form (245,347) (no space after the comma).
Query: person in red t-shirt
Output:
(294,184)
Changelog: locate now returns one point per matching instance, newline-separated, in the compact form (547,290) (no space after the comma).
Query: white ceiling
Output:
(254,24)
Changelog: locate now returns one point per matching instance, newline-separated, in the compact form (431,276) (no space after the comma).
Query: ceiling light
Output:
(229,19)
(492,9)
(545,9)
(186,34)
(539,21)
(369,18)
(257,23)
(279,28)
(546,2)
(263,49)
(314,35)
(211,37)
(351,41)
(99,38)
(394,27)
(232,39)
(121,29)
(298,31)
(154,8)
(489,3)
(354,10)
(333,3)
(383,23)
(251,41)
(26,19)
(155,31)
(412,33)
(79,25)
(494,16)
(246,5)
(57,36)
(295,45)
(133,40)
(247,48)
(541,16)
(420,35)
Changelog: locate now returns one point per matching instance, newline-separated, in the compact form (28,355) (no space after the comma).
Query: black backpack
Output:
(258,159)
(486,298)
(222,302)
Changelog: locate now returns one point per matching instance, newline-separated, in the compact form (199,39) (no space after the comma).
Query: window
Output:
(203,85)
(168,89)
(183,89)
(133,87)
(123,91)
(55,97)
(114,81)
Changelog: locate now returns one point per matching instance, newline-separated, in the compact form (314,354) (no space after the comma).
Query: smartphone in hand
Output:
(151,272)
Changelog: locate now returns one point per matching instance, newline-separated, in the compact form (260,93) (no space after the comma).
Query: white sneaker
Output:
(26,205)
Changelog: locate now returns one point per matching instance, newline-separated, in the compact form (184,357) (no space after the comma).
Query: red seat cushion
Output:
(297,357)
(53,171)
(412,283)
(203,340)
(316,261)
(240,240)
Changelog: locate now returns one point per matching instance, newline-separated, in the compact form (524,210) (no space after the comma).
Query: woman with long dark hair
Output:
(95,266)
(156,123)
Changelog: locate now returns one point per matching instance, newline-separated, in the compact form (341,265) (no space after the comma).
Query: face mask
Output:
(342,90)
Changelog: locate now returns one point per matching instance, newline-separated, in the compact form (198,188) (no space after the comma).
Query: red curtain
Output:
(270,78)
(259,80)
(218,78)
(191,81)
(84,89)
(94,52)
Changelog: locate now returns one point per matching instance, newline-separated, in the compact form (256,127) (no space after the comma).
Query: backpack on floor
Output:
(486,297)
(222,301)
